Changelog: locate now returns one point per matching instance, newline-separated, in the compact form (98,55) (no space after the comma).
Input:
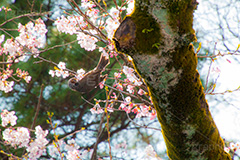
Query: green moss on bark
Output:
(169,70)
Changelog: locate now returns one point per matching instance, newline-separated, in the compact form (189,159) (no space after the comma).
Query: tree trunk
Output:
(158,36)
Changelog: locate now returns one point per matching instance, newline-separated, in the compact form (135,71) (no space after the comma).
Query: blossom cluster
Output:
(86,41)
(37,147)
(141,110)
(59,71)
(129,72)
(129,83)
(6,9)
(31,37)
(233,147)
(150,153)
(8,117)
(5,84)
(96,109)
(70,24)
(20,136)
(71,150)
(75,24)
(24,75)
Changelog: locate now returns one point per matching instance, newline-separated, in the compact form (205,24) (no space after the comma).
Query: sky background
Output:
(213,19)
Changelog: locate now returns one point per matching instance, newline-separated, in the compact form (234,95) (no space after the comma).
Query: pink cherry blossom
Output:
(73,155)
(86,41)
(141,91)
(130,7)
(8,117)
(19,137)
(130,89)
(114,13)
(61,65)
(117,75)
(118,86)
(6,86)
(2,37)
(129,72)
(96,109)
(37,147)
(111,26)
(59,71)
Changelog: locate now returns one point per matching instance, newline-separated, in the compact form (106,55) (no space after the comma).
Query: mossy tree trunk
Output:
(158,36)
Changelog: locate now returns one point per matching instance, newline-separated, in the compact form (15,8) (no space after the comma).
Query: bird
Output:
(91,79)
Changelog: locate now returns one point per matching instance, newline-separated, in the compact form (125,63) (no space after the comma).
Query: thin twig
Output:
(141,125)
(25,15)
(53,47)
(94,154)
(71,134)
(209,70)
(222,93)
(108,131)
(38,107)
(49,61)
(86,18)
(87,101)
(131,95)
(108,116)
(219,54)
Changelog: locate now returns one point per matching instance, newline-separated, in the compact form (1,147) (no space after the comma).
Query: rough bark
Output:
(158,36)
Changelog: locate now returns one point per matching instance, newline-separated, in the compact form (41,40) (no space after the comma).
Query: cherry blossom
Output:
(150,153)
(37,147)
(141,92)
(103,50)
(86,41)
(96,109)
(59,71)
(8,117)
(19,137)
(226,149)
(52,73)
(111,26)
(80,74)
(71,145)
(11,47)
(233,147)
(24,75)
(93,14)
(61,65)
(70,24)
(130,89)
(126,105)
(6,86)
(86,4)
(118,86)
(6,9)
(32,35)
(73,155)
(114,13)
(2,37)
(114,96)
(31,38)
(117,75)
(128,71)
(130,7)
(101,84)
